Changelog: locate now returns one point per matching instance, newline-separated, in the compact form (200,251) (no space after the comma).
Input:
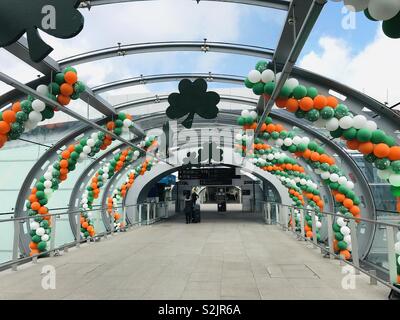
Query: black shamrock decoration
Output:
(193,99)
(60,19)
(191,158)
(209,152)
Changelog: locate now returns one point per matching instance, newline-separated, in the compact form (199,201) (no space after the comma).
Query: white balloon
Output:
(334,177)
(346,122)
(48,175)
(350,185)
(35,116)
(325,175)
(254,76)
(359,121)
(43,90)
(347,239)
(371,125)
(253,114)
(342,180)
(306,140)
(332,124)
(356,5)
(45,237)
(292,83)
(397,247)
(383,9)
(297,140)
(278,76)
(38,105)
(40,231)
(90,142)
(318,224)
(127,123)
(394,180)
(340,221)
(34,225)
(384,174)
(87,149)
(47,184)
(345,230)
(245,113)
(82,156)
(30,125)
(288,142)
(136,153)
(106,169)
(267,76)
(303,182)
(48,191)
(94,136)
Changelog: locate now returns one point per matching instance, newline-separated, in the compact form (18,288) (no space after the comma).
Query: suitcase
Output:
(196,214)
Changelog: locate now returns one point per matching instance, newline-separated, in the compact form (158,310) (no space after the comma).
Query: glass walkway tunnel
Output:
(86,157)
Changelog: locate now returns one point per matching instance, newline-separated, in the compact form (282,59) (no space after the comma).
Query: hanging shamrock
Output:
(60,19)
(190,159)
(193,99)
(210,151)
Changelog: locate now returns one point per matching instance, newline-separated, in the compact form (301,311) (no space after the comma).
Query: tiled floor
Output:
(223,257)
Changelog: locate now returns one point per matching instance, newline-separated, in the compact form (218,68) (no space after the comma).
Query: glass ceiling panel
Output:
(149,21)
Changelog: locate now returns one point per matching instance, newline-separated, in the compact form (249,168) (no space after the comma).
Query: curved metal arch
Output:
(274,4)
(166,46)
(150,124)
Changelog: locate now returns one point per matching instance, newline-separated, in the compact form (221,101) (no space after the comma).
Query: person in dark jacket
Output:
(188,208)
(194,198)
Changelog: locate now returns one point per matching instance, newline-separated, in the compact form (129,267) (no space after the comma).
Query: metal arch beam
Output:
(274,4)
(49,66)
(142,80)
(166,46)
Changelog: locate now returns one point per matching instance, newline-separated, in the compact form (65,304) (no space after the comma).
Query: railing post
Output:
(303,233)
(314,227)
(111,221)
(269,220)
(293,224)
(140,215)
(354,245)
(278,216)
(330,236)
(16,245)
(78,230)
(148,213)
(53,235)
(390,234)
(124,216)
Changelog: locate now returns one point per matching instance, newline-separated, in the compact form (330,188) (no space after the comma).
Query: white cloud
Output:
(374,70)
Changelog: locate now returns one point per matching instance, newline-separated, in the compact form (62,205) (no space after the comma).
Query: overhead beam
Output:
(167,46)
(274,4)
(301,38)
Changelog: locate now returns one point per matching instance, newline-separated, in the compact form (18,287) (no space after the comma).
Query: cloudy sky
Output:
(361,57)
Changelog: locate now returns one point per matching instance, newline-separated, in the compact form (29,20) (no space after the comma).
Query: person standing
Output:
(188,208)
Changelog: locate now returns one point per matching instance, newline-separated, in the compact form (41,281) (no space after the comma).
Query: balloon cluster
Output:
(26,114)
(316,156)
(387,11)
(359,133)
(55,174)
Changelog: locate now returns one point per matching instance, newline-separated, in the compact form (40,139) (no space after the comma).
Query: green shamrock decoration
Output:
(60,19)
(192,99)
(210,151)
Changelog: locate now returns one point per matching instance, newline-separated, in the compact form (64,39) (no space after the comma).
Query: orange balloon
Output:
(281,102)
(292,105)
(309,234)
(66,89)
(263,127)
(353,144)
(34,252)
(3,140)
(71,148)
(354,210)
(110,125)
(381,150)
(348,203)
(33,245)
(70,77)
(278,127)
(306,104)
(307,154)
(394,153)
(65,154)
(320,102)
(63,100)
(9,116)
(4,127)
(332,102)
(340,197)
(345,254)
(366,148)
(35,206)
(271,128)
(315,156)
(43,210)
(85,225)
(16,107)
(64,163)
(90,229)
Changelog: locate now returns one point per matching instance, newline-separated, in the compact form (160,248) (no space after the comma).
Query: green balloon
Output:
(299,92)
(364,135)
(339,236)
(21,116)
(79,87)
(283,134)
(42,246)
(119,123)
(59,78)
(261,66)
(312,146)
(269,87)
(337,133)
(300,114)
(320,150)
(391,27)
(274,135)
(370,158)
(327,113)
(26,106)
(378,136)
(54,88)
(389,140)
(336,227)
(341,111)
(285,91)
(36,238)
(350,133)
(395,191)
(268,120)
(382,163)
(396,166)
(312,115)
(240,121)
(312,92)
(78,148)
(248,83)
(48,113)
(342,245)
(258,88)
(40,195)
(301,147)
(67,69)
(368,15)
(292,148)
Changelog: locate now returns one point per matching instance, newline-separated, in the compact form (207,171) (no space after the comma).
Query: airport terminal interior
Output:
(200,150)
